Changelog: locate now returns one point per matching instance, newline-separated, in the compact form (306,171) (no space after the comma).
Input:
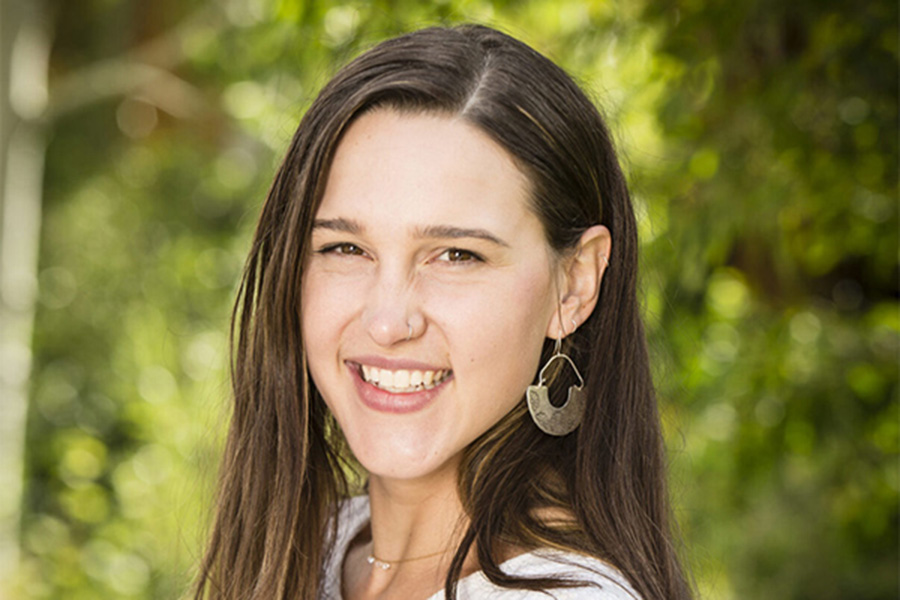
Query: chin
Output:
(407,462)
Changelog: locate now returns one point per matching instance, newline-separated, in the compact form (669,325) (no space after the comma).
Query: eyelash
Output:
(342,248)
(468,256)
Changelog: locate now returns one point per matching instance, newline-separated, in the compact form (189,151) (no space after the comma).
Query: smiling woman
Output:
(432,287)
(449,233)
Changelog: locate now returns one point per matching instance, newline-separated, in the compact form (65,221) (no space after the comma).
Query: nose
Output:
(392,314)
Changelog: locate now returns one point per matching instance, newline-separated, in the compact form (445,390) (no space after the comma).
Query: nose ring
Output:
(409,335)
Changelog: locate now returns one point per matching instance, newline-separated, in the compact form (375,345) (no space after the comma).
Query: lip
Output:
(394,364)
(381,400)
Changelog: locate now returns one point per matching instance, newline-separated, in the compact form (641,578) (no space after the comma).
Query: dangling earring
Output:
(551,419)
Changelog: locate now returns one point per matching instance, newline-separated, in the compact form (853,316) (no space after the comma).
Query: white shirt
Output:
(355,514)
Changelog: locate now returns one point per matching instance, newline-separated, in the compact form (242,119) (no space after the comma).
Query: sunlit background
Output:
(137,140)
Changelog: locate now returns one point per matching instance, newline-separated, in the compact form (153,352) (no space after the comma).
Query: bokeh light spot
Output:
(245,99)
(156,384)
(805,328)
(136,118)
(57,286)
(704,164)
(341,23)
(727,294)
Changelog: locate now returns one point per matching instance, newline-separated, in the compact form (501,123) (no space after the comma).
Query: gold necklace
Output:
(384,565)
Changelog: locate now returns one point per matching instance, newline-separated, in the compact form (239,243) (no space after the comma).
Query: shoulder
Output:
(352,515)
(601,581)
(354,511)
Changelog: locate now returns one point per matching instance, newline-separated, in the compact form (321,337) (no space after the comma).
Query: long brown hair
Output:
(286,464)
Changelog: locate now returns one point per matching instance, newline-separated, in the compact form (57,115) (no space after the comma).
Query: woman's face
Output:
(428,292)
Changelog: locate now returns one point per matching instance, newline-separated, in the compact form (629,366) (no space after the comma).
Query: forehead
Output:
(426,168)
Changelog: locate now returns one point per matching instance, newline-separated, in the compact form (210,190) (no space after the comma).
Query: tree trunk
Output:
(24,53)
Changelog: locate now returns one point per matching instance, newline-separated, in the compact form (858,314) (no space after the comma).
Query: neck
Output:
(414,518)
(416,526)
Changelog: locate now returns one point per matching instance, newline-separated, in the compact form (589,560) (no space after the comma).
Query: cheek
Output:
(322,315)
(323,318)
(500,323)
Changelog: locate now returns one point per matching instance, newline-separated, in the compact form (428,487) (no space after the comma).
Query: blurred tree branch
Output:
(146,70)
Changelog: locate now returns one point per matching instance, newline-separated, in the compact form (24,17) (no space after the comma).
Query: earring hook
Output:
(559,355)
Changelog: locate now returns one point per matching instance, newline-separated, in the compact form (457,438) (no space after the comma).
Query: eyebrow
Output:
(345,225)
(429,232)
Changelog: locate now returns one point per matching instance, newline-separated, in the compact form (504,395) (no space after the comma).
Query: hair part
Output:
(286,463)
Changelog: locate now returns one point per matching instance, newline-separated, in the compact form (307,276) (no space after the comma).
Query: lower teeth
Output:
(412,388)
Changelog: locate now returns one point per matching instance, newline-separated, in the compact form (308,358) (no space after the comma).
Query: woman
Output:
(449,234)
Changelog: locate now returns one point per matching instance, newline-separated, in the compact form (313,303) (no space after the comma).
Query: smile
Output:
(403,381)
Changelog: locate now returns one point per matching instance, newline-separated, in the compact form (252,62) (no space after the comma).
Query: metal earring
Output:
(556,420)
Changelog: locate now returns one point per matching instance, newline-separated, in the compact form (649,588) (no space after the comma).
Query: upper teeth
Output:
(403,380)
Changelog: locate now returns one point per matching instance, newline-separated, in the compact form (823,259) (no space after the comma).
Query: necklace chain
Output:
(384,565)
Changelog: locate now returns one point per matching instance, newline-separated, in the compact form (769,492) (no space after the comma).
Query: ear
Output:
(581,275)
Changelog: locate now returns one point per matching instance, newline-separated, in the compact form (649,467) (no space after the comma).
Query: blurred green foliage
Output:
(761,142)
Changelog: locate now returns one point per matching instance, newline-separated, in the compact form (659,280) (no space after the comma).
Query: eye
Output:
(342,248)
(458,255)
